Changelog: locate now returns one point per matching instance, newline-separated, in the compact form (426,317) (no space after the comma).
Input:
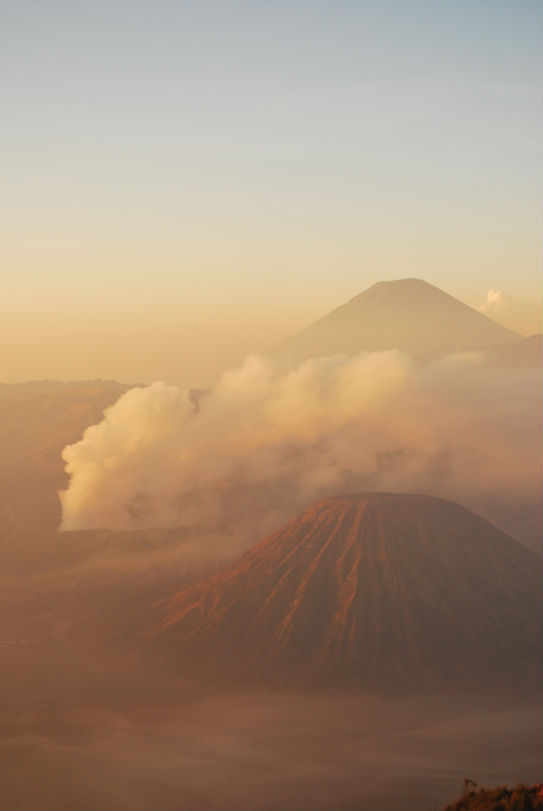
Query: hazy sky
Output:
(183,182)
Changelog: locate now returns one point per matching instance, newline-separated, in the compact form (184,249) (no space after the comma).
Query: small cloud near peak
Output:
(523,317)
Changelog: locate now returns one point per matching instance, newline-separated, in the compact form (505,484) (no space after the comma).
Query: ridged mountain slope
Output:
(369,589)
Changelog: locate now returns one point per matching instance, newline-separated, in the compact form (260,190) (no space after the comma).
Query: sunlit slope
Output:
(374,590)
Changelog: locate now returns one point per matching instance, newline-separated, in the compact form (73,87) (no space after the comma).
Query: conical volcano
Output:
(409,315)
(371,590)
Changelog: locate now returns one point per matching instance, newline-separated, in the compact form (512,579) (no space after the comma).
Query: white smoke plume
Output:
(259,447)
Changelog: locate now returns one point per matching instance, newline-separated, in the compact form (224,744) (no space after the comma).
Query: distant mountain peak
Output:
(410,315)
(408,281)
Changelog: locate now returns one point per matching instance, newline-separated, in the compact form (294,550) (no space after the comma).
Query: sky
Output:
(187,182)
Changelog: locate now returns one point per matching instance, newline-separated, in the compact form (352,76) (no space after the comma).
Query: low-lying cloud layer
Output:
(265,750)
(259,447)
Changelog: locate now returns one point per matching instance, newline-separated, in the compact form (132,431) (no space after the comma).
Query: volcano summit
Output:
(371,590)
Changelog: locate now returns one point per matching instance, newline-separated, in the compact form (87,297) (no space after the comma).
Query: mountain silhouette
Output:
(408,314)
(374,590)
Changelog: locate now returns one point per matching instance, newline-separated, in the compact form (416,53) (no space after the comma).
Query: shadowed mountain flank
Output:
(409,315)
(374,590)
(526,353)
